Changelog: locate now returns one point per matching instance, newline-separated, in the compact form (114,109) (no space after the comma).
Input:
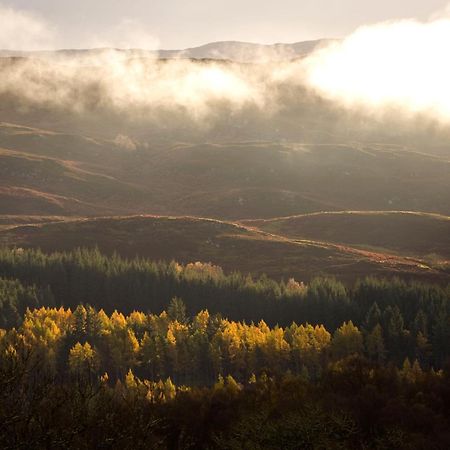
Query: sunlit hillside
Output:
(225,225)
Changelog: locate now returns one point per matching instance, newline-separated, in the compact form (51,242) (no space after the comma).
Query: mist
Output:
(21,30)
(395,65)
(114,81)
(393,68)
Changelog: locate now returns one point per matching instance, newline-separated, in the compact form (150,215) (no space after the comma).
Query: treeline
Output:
(201,350)
(85,379)
(412,318)
(15,299)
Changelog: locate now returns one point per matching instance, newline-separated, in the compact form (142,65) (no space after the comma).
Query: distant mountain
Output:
(226,50)
(246,51)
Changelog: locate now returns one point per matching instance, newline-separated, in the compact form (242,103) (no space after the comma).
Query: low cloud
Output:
(21,30)
(128,34)
(125,142)
(395,66)
(118,81)
(400,66)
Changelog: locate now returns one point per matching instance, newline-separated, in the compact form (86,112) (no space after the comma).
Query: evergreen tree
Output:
(347,340)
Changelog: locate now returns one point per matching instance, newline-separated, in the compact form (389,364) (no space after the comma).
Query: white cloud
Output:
(128,34)
(402,65)
(443,13)
(21,30)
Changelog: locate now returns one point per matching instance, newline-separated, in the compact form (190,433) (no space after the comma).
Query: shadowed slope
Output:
(226,244)
(408,233)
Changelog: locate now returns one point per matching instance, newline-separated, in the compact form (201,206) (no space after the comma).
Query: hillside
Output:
(227,50)
(47,172)
(407,233)
(298,157)
(246,51)
(96,152)
(228,245)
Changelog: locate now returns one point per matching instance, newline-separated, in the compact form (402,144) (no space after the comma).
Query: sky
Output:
(177,24)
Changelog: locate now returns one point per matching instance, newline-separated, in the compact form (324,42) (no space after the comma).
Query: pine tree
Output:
(375,344)
(177,310)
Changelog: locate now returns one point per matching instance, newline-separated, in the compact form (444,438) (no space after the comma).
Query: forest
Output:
(105,352)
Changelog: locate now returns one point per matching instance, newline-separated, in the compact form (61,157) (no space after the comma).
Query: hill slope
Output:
(47,172)
(229,50)
(232,246)
(414,234)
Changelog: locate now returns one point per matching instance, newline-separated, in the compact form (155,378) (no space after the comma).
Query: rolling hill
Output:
(226,50)
(47,172)
(407,233)
(230,245)
(141,181)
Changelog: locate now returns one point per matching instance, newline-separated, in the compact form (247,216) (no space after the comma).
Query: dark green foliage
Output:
(177,310)
(16,298)
(402,309)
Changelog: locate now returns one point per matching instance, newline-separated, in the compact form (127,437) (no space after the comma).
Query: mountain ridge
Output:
(239,51)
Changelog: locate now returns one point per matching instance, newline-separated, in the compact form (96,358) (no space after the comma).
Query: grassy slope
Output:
(232,246)
(59,174)
(309,157)
(407,233)
(44,172)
